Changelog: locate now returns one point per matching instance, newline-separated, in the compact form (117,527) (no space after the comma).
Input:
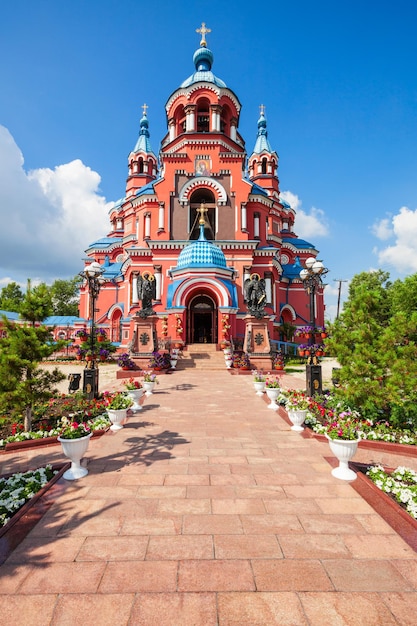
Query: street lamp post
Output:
(93,275)
(311,276)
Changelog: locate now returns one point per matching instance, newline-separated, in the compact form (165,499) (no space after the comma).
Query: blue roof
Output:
(292,270)
(297,243)
(11,315)
(258,191)
(143,143)
(262,144)
(112,270)
(104,242)
(145,189)
(284,203)
(61,320)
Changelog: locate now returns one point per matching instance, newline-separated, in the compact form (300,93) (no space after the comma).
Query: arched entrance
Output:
(203,320)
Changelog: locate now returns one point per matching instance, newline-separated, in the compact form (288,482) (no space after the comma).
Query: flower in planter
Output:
(278,361)
(160,359)
(104,353)
(117,401)
(272,383)
(125,361)
(132,384)
(81,333)
(100,332)
(346,425)
(297,400)
(73,430)
(150,377)
(258,376)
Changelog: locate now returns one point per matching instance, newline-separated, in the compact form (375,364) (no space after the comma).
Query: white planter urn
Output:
(272,394)
(344,450)
(297,418)
(173,362)
(117,418)
(148,387)
(229,362)
(259,387)
(135,395)
(74,450)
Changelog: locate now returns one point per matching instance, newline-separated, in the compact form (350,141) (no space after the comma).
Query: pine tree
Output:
(22,381)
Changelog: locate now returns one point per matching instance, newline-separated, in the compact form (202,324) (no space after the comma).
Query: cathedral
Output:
(196,223)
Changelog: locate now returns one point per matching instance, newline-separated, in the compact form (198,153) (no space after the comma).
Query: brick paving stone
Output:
(260,609)
(31,610)
(90,609)
(350,609)
(179,609)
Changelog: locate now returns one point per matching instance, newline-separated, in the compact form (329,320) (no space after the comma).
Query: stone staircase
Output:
(201,356)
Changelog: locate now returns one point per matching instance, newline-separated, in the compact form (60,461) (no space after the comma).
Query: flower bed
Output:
(386,506)
(28,515)
(17,489)
(33,439)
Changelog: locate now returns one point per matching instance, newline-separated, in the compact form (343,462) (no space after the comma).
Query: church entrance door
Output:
(203,320)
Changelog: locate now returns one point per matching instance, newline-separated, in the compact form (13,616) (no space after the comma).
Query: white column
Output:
(135,297)
(243,217)
(171,130)
(161,216)
(147,225)
(246,275)
(268,289)
(256,225)
(158,281)
(233,132)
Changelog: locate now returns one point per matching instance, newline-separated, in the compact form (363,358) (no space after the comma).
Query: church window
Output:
(140,165)
(264,165)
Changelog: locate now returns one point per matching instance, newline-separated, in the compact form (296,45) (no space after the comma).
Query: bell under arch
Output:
(204,196)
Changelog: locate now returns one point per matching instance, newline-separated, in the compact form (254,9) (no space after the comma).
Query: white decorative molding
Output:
(202,181)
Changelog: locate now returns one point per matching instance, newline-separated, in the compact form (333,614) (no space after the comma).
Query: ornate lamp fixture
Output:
(92,274)
(311,276)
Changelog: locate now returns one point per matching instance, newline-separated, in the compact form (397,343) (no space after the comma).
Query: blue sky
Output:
(338,81)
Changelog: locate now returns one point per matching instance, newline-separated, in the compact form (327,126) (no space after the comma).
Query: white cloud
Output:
(382,229)
(402,254)
(49,217)
(307,225)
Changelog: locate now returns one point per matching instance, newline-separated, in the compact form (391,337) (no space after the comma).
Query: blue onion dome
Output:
(144,125)
(203,60)
(201,253)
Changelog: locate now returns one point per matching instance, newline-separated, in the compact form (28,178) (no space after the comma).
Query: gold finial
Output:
(144,109)
(262,109)
(202,210)
(203,32)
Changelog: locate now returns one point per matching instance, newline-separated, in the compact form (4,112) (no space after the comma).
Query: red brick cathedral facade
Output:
(198,271)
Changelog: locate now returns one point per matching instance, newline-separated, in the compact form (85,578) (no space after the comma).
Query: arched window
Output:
(203,116)
(264,162)
(140,165)
(199,196)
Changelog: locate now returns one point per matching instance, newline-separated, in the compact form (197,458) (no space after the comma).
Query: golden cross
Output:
(202,210)
(203,32)
(144,108)
(262,109)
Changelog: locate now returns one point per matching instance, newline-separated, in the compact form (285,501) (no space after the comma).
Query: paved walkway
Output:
(207,510)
